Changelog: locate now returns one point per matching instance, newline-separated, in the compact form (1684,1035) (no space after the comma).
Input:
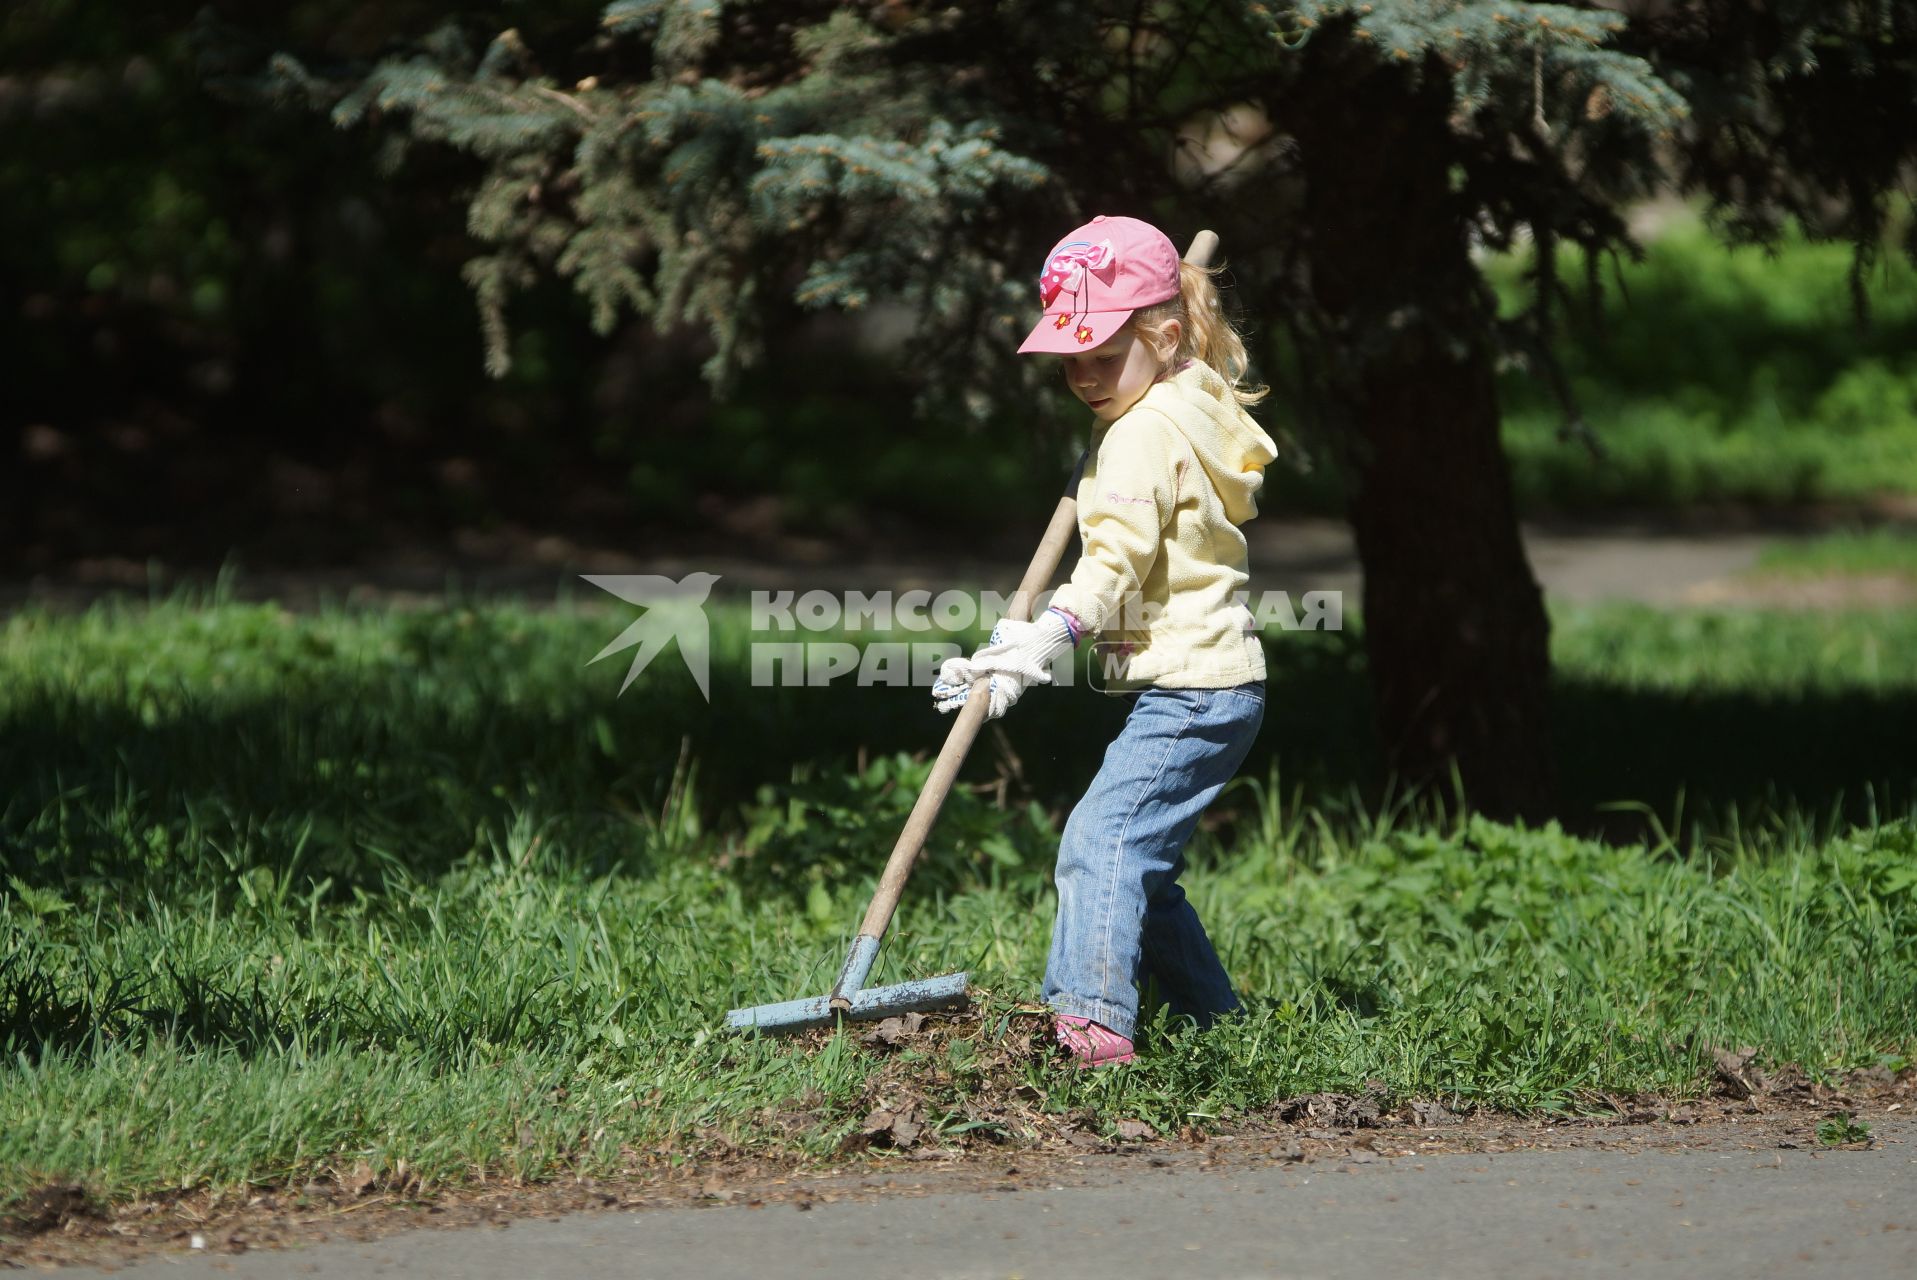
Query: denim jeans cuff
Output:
(1105,1015)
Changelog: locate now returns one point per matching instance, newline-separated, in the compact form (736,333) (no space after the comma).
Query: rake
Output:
(850,998)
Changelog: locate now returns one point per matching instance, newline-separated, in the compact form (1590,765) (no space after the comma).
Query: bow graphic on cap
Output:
(1067,268)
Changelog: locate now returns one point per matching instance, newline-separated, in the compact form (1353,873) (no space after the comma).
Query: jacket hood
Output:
(1229,444)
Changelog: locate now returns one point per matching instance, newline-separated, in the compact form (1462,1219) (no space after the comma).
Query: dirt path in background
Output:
(1654,564)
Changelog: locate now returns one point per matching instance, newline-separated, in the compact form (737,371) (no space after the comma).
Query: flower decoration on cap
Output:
(1065,270)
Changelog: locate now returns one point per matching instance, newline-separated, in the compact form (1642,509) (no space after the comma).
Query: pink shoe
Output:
(1088,1044)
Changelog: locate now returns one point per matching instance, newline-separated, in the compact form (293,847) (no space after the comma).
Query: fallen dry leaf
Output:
(889,1033)
(1429,1115)
(1735,1073)
(1339,1109)
(898,1129)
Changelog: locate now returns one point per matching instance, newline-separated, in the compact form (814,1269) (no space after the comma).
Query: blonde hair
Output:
(1205,332)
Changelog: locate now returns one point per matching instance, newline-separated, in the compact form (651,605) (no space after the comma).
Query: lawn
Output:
(1881,552)
(415,894)
(1709,378)
(1718,376)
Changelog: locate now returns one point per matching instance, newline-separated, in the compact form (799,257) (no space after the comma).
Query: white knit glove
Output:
(1018,655)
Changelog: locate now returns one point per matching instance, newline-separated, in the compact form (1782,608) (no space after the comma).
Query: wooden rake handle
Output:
(971,716)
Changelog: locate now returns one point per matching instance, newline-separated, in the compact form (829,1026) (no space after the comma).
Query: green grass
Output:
(1888,552)
(1708,376)
(1723,376)
(288,895)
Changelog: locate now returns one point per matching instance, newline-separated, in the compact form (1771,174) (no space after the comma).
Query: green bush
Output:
(1711,375)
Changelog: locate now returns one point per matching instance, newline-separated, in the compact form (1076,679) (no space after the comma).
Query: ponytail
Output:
(1205,332)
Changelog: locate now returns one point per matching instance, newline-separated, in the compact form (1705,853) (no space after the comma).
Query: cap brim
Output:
(1081,331)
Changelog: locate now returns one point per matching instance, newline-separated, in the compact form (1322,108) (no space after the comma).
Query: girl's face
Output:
(1116,374)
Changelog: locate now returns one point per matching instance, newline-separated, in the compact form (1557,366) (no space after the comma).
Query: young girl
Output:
(1174,468)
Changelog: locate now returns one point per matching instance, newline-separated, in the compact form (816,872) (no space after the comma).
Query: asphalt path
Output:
(1730,1212)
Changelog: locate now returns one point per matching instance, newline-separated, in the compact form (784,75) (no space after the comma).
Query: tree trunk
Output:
(1455,627)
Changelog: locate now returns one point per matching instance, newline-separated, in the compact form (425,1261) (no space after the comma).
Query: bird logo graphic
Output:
(673,610)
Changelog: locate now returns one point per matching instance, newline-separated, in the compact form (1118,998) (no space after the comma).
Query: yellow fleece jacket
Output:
(1165,488)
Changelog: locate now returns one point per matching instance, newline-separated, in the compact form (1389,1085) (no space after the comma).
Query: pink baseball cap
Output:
(1095,278)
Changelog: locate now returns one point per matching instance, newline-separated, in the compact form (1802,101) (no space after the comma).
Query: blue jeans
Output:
(1122,917)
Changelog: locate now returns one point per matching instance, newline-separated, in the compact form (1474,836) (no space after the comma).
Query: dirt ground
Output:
(894,1155)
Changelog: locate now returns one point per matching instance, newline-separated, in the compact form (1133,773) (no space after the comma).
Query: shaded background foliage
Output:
(235,330)
(240,331)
